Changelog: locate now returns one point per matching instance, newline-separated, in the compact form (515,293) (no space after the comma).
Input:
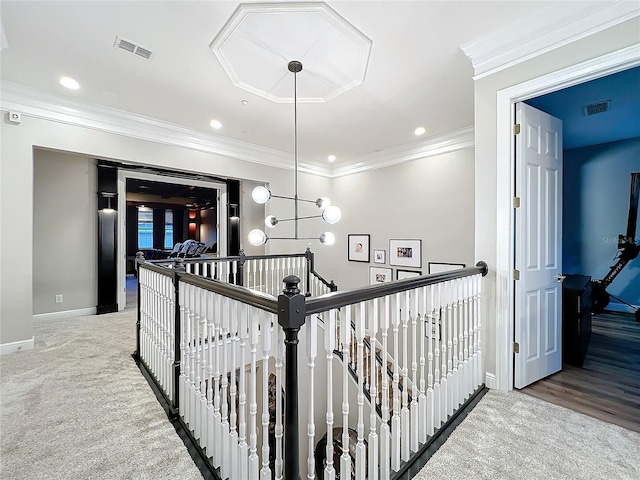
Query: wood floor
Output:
(607,387)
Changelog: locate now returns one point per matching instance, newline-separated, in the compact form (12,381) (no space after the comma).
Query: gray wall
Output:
(17,182)
(430,199)
(596,209)
(64,231)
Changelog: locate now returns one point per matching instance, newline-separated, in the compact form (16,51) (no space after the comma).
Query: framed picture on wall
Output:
(405,253)
(402,274)
(380,275)
(439,267)
(379,256)
(358,245)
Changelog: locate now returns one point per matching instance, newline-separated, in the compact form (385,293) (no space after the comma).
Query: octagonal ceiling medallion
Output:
(259,40)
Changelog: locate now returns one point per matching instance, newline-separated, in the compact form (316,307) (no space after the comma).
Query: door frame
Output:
(598,67)
(121,252)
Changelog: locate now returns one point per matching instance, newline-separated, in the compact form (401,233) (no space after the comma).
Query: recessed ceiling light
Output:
(69,83)
(419,131)
(215,124)
(244,102)
(331,158)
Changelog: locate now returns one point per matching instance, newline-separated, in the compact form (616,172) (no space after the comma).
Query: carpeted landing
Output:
(77,407)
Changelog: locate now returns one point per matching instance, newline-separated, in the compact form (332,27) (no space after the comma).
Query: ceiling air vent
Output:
(598,107)
(132,47)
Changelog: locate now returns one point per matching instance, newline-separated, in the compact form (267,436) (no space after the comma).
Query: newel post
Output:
(240,275)
(178,268)
(310,266)
(139,259)
(291,316)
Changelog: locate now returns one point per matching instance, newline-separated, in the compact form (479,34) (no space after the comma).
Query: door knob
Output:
(560,278)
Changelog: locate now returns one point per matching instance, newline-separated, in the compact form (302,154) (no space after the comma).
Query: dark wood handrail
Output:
(347,297)
(246,295)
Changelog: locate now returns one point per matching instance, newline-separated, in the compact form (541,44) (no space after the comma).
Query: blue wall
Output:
(596,208)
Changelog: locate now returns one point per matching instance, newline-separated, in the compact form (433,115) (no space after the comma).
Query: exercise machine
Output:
(628,249)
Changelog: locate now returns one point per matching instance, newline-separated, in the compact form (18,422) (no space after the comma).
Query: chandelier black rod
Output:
(293,198)
(298,218)
(295,67)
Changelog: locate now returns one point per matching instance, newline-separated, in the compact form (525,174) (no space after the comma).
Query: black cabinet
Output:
(576,318)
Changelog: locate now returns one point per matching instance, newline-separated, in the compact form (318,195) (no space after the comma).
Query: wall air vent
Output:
(132,47)
(598,107)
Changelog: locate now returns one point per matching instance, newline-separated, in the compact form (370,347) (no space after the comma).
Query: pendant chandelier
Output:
(261,194)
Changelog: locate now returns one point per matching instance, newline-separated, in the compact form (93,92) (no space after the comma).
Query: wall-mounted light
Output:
(234,213)
(107,202)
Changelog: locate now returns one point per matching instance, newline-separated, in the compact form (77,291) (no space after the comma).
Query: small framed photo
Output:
(405,253)
(439,267)
(358,246)
(379,256)
(402,274)
(380,275)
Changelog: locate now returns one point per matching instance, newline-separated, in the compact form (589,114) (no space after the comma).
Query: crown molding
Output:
(438,145)
(554,26)
(36,103)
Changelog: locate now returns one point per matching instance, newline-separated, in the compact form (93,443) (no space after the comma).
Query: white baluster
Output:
(430,326)
(217,414)
(279,430)
(444,335)
(243,448)
(210,372)
(468,337)
(373,417)
(395,420)
(312,350)
(203,365)
(477,309)
(183,349)
(437,417)
(265,472)
(192,357)
(415,413)
(361,452)
(225,467)
(233,390)
(330,345)
(405,416)
(459,314)
(422,397)
(450,379)
(345,337)
(198,344)
(254,320)
(385,434)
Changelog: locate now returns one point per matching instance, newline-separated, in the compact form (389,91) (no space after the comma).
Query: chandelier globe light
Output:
(261,194)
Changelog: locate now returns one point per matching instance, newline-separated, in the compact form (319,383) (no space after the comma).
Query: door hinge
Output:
(516,129)
(516,202)
(516,274)
(516,347)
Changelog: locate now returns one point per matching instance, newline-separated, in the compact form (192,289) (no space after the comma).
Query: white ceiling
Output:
(416,75)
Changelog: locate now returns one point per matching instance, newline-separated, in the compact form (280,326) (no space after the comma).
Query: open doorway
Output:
(601,151)
(161,212)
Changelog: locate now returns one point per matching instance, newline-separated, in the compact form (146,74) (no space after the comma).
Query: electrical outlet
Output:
(59,298)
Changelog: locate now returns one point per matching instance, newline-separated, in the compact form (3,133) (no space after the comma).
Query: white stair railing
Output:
(398,362)
(434,356)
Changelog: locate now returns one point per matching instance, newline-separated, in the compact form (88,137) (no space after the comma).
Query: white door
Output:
(538,247)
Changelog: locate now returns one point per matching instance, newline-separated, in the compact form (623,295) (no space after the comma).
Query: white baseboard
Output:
(13,347)
(621,307)
(490,380)
(80,312)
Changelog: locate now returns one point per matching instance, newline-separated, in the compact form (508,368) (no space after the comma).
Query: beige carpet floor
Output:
(515,436)
(77,407)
